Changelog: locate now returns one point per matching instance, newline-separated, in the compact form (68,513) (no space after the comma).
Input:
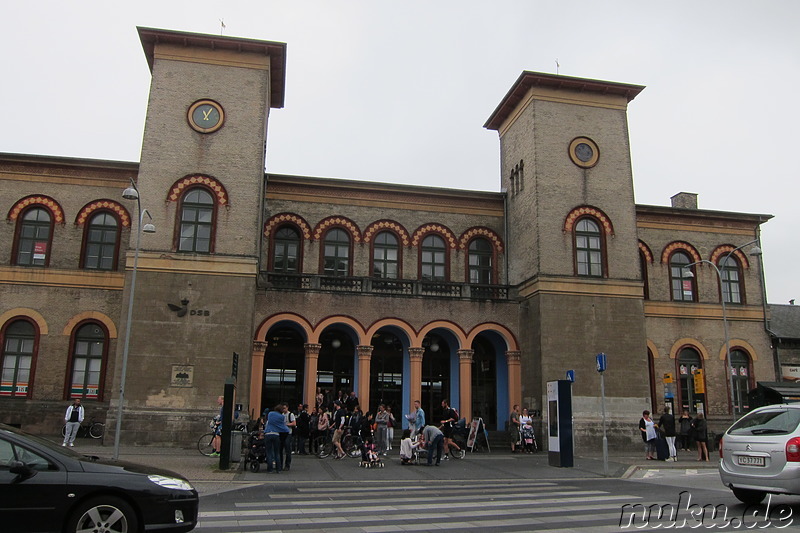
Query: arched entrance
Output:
(484,381)
(386,373)
(284,365)
(336,363)
(436,371)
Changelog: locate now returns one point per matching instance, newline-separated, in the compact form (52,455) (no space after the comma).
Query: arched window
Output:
(730,275)
(690,377)
(19,340)
(101,240)
(588,248)
(337,253)
(481,268)
(34,233)
(286,251)
(197,221)
(433,266)
(681,278)
(88,353)
(385,256)
(645,278)
(740,374)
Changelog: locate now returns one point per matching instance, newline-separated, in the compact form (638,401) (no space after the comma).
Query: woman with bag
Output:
(648,430)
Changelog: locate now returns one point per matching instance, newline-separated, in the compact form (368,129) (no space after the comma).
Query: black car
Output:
(45,487)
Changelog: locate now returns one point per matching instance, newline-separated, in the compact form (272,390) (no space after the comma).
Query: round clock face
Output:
(584,152)
(206,116)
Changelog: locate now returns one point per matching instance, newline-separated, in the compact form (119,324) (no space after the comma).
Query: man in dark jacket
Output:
(666,425)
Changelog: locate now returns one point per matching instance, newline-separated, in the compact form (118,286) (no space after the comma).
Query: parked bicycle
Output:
(88,428)
(205,444)
(351,444)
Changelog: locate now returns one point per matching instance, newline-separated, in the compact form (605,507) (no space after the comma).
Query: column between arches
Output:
(257,377)
(310,372)
(364,361)
(514,377)
(465,382)
(415,363)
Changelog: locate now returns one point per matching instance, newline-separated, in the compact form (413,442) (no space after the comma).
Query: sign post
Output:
(601,368)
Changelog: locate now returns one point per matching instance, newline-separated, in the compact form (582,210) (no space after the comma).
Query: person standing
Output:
(434,441)
(73,419)
(286,438)
(303,429)
(340,420)
(513,428)
(416,420)
(701,437)
(648,429)
(684,430)
(390,427)
(667,426)
(382,434)
(276,424)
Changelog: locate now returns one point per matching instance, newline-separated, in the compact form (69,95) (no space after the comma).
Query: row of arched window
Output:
(386,239)
(690,380)
(85,371)
(102,222)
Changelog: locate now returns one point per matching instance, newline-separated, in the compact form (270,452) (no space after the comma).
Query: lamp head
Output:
(149,228)
(687,273)
(130,193)
(755,251)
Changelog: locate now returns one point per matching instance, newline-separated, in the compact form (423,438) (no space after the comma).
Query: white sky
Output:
(399,91)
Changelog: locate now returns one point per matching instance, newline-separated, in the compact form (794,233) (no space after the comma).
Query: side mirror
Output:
(22,470)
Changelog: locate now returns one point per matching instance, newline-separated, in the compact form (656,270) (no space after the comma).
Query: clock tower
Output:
(572,240)
(201,182)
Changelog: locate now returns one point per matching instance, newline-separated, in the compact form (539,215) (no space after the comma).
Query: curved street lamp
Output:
(754,252)
(130,193)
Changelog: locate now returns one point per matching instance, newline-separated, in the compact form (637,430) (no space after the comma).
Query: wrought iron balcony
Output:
(400,287)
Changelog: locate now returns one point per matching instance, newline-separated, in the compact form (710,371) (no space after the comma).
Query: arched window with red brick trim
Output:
(34,235)
(101,242)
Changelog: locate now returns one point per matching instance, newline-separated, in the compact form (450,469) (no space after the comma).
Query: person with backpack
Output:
(449,421)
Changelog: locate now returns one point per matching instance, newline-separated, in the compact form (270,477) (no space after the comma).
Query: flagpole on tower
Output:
(221,25)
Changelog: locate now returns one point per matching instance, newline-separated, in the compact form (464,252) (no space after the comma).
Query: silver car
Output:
(760,453)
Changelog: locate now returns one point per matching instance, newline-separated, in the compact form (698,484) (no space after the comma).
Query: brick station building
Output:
(397,292)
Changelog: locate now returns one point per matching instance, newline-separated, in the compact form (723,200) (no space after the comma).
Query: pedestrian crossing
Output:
(375,507)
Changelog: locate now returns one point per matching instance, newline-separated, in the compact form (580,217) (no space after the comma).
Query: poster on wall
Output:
(790,373)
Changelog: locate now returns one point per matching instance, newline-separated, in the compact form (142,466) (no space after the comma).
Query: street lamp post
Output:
(130,193)
(755,251)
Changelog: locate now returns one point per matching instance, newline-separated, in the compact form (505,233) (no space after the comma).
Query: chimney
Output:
(685,200)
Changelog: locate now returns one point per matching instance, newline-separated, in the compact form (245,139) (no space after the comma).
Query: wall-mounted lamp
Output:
(336,343)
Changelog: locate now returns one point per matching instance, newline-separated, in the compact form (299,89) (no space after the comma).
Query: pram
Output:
(528,439)
(370,457)
(256,451)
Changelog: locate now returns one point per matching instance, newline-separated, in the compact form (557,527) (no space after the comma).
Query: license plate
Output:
(751,461)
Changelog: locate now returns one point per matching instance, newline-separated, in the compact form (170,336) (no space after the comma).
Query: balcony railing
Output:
(400,287)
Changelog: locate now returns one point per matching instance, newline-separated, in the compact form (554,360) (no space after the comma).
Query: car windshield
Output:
(769,422)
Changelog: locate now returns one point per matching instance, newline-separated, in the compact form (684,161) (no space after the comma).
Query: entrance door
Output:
(484,382)
(435,378)
(335,366)
(386,374)
(284,366)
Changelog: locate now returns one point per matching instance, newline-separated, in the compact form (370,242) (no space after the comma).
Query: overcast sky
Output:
(398,92)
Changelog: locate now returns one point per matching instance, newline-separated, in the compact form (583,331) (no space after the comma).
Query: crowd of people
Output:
(678,434)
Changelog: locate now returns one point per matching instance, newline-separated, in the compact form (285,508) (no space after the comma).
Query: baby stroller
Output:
(256,451)
(369,456)
(528,439)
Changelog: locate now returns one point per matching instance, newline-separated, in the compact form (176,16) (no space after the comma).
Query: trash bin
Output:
(236,446)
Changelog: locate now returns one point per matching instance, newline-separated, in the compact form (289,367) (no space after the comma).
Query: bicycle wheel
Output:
(205,444)
(352,448)
(458,454)
(96,430)
(64,430)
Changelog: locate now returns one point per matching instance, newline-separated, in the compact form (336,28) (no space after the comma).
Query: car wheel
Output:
(750,497)
(105,513)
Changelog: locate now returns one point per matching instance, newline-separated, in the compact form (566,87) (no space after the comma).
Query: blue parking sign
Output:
(601,362)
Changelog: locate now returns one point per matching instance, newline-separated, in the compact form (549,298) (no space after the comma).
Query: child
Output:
(407,448)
